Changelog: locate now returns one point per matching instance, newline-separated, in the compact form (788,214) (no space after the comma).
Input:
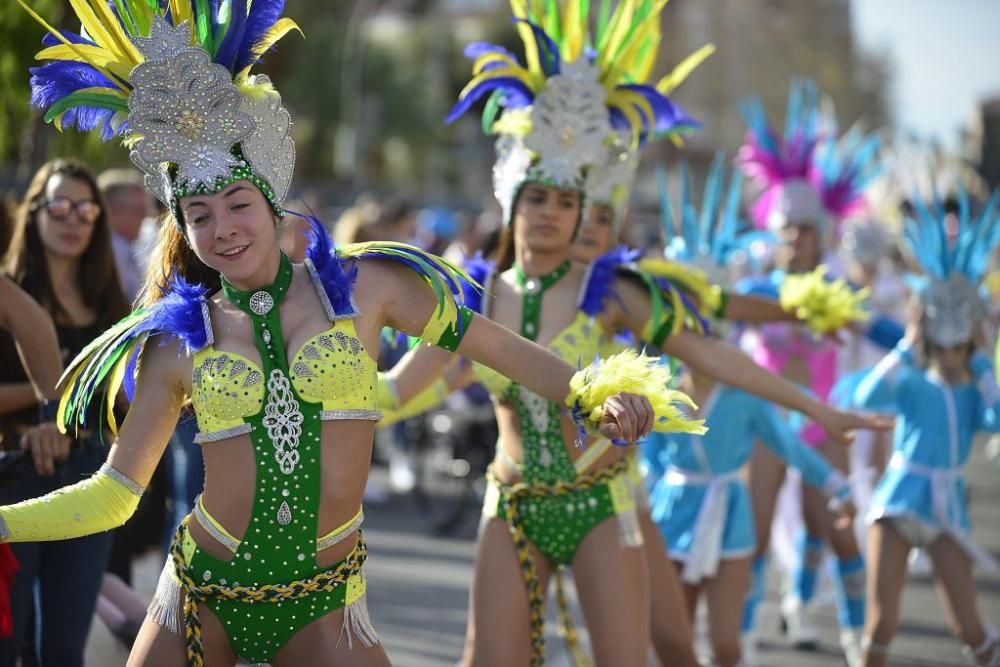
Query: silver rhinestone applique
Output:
(266,335)
(238,369)
(309,352)
(284,514)
(302,371)
(261,303)
(253,378)
(283,421)
(325,341)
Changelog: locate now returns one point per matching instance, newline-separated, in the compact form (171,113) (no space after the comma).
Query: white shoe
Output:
(748,648)
(850,642)
(795,623)
(401,474)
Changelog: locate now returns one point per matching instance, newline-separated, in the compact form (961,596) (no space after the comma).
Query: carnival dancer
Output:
(699,498)
(549,503)
(810,181)
(939,381)
(273,355)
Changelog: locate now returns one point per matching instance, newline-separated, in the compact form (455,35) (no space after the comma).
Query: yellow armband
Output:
(103,502)
(422,402)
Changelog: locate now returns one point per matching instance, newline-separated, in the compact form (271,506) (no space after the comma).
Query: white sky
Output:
(945,55)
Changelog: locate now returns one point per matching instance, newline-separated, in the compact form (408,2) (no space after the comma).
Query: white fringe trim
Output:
(165,606)
(629,529)
(358,623)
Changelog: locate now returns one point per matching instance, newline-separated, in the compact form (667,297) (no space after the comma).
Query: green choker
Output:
(533,288)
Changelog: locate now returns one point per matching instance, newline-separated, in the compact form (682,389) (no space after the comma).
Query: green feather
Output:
(203,26)
(603,16)
(79,99)
(493,106)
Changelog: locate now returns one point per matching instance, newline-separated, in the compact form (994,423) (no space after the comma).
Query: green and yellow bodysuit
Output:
(272,586)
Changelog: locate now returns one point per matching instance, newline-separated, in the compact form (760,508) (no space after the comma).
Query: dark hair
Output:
(6,224)
(26,260)
(173,256)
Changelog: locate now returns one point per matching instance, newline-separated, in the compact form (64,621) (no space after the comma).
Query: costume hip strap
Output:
(944,494)
(702,561)
(196,593)
(513,495)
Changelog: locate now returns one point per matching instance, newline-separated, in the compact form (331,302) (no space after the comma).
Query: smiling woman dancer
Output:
(273,355)
(551,504)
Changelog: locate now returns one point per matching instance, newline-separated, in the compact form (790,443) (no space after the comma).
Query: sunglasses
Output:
(60,208)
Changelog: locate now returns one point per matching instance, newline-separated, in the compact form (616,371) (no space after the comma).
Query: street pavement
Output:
(418,593)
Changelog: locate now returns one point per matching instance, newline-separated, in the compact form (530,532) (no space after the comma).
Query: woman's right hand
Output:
(627,418)
(47,445)
(839,425)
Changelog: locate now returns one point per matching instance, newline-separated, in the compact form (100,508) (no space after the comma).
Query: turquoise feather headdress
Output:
(954,268)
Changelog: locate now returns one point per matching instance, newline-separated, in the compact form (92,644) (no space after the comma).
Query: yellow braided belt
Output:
(513,495)
(196,593)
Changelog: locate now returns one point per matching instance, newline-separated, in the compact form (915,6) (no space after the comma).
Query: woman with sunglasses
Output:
(61,255)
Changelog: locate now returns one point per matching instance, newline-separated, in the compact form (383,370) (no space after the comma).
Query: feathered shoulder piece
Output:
(444,277)
(182,313)
(671,309)
(333,275)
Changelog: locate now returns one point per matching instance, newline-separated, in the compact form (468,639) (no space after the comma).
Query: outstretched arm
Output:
(409,305)
(727,364)
(35,336)
(108,498)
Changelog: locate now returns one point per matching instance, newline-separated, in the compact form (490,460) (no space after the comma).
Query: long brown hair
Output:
(26,260)
(172,257)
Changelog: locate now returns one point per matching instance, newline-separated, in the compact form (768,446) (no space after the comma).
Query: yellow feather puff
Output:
(825,306)
(629,371)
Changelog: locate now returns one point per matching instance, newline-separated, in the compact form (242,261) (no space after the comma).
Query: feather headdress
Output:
(173,79)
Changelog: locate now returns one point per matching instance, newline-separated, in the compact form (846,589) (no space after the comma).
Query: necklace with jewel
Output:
(533,289)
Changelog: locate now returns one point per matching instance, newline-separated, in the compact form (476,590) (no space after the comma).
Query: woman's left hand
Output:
(627,418)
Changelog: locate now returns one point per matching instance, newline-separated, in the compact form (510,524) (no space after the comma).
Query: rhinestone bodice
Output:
(332,368)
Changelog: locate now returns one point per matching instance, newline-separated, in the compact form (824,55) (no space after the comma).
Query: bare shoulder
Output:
(165,361)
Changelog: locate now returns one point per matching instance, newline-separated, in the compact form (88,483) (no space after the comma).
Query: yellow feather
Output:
(628,371)
(518,73)
(519,10)
(64,399)
(617,30)
(180,11)
(117,377)
(75,48)
(94,27)
(487,58)
(281,28)
(106,62)
(825,306)
(573,32)
(625,62)
(516,122)
(115,31)
(667,84)
(644,67)
(619,100)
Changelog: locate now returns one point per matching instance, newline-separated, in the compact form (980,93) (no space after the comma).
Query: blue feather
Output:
(337,275)
(262,15)
(507,84)
(480,270)
(548,52)
(234,41)
(602,275)
(475,49)
(51,40)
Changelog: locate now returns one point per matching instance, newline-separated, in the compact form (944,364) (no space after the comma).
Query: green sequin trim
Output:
(241,172)
(532,290)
